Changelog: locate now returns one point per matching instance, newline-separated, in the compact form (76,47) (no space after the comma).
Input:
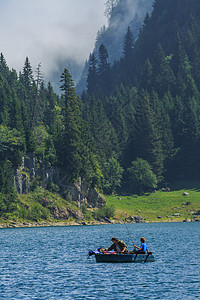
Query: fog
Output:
(50,32)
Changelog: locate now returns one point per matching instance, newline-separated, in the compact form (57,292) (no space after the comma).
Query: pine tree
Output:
(161,109)
(128,45)
(27,75)
(38,105)
(146,78)
(4,70)
(70,156)
(101,129)
(103,69)
(92,79)
(148,144)
(163,76)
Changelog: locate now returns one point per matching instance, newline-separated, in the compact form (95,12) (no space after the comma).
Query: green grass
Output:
(150,206)
(36,206)
(160,204)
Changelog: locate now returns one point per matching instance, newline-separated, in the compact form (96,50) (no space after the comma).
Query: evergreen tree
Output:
(38,105)
(27,75)
(128,45)
(148,144)
(71,137)
(103,69)
(164,78)
(92,79)
(112,175)
(146,78)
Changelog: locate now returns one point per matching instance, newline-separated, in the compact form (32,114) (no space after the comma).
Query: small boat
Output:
(114,257)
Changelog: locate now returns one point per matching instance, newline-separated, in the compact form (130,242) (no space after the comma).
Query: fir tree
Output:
(92,79)
(148,144)
(103,69)
(128,45)
(71,137)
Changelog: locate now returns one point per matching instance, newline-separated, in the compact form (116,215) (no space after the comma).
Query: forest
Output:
(136,125)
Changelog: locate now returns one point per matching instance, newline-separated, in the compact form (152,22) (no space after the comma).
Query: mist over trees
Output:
(121,14)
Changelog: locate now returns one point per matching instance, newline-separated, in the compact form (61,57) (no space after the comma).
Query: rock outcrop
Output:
(79,191)
(135,219)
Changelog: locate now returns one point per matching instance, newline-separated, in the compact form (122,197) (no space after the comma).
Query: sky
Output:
(49,31)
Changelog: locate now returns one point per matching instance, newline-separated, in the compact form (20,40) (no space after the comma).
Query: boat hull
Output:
(123,258)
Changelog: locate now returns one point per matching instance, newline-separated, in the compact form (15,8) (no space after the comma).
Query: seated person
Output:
(118,246)
(143,247)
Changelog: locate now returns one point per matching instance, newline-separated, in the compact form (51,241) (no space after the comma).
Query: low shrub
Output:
(105,212)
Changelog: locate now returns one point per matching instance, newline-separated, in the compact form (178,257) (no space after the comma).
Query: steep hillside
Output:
(151,96)
(123,14)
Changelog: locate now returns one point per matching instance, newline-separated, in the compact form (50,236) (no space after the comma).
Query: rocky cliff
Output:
(80,192)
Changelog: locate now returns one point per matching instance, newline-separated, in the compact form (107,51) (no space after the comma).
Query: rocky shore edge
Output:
(12,224)
(17,224)
(54,223)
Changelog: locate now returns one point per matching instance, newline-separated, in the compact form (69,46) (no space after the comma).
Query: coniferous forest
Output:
(138,117)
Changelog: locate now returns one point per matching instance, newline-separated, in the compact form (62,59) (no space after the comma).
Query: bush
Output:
(53,188)
(105,212)
(141,177)
(35,183)
(35,212)
(86,212)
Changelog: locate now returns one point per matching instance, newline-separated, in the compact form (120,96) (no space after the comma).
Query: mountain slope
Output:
(125,13)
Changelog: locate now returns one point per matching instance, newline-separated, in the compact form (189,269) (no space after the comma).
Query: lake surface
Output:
(51,263)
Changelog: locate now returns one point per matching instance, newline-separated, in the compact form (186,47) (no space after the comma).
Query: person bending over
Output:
(118,246)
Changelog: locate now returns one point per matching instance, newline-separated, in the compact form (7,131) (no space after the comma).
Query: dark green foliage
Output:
(105,212)
(35,213)
(148,143)
(11,146)
(71,137)
(160,122)
(128,45)
(112,175)
(86,212)
(92,79)
(8,196)
(141,177)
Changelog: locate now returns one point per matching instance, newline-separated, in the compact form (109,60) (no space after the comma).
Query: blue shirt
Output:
(143,247)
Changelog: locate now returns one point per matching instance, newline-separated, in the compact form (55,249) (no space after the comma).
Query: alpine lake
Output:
(52,263)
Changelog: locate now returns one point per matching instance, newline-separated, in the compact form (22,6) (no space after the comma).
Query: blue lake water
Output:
(51,263)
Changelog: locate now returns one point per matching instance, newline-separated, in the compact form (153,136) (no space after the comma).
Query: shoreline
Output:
(12,224)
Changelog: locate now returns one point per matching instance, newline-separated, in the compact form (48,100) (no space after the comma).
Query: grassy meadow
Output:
(159,206)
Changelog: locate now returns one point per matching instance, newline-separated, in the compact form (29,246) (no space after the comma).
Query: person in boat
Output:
(143,247)
(118,246)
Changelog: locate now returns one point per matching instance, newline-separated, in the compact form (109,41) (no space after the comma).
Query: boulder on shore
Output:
(135,219)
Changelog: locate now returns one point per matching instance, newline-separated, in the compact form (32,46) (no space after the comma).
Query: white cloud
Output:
(49,30)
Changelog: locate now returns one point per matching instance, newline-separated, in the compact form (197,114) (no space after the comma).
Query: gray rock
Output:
(176,215)
(59,213)
(79,191)
(185,194)
(135,219)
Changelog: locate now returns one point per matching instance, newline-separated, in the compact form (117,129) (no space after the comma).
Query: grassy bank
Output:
(44,208)
(159,206)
